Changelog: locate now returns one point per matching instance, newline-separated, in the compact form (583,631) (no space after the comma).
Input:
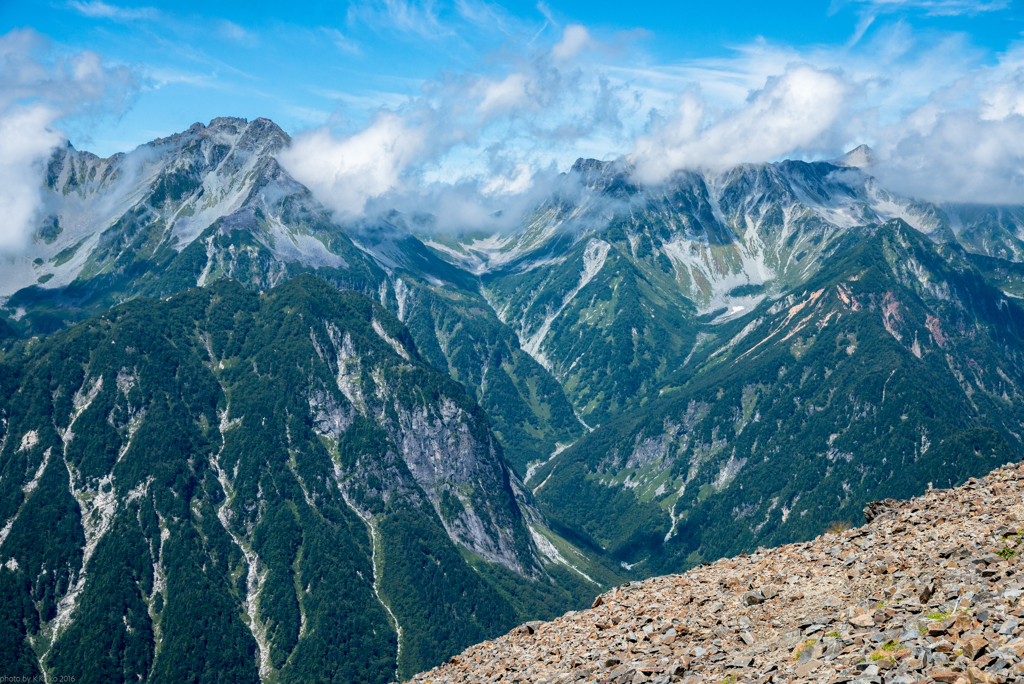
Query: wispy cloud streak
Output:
(101,10)
(938,8)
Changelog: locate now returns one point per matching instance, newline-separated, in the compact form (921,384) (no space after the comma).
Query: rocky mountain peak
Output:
(603,176)
(582,165)
(260,136)
(233,121)
(929,590)
(858,158)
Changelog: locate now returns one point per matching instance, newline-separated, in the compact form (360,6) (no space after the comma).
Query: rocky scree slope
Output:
(931,590)
(232,486)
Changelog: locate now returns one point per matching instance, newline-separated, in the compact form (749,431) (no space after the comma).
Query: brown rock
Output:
(808,667)
(963,623)
(863,621)
(974,646)
(976,676)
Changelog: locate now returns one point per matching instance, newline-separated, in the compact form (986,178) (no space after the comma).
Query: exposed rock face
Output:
(929,591)
(425,442)
(445,447)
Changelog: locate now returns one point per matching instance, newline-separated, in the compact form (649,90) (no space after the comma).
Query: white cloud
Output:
(341,41)
(470,144)
(485,16)
(346,173)
(574,39)
(505,95)
(516,184)
(1005,98)
(29,72)
(896,69)
(965,143)
(960,158)
(37,91)
(453,25)
(939,114)
(406,16)
(26,140)
(161,77)
(792,113)
(229,30)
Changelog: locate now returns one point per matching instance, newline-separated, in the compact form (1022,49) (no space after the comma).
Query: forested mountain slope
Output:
(609,275)
(895,366)
(538,324)
(232,486)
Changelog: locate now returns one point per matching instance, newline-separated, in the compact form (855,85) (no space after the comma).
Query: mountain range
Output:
(364,445)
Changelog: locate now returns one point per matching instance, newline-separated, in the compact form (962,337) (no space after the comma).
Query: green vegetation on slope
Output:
(894,367)
(199,470)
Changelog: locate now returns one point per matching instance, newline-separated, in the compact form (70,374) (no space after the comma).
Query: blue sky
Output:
(302,63)
(465,107)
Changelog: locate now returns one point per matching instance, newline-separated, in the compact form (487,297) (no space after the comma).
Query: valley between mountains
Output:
(243,440)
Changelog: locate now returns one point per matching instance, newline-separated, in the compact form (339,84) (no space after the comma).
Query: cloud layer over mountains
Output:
(794,113)
(475,147)
(944,125)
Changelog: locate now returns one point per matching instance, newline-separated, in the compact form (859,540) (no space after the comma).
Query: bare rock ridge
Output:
(931,590)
